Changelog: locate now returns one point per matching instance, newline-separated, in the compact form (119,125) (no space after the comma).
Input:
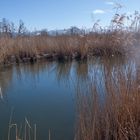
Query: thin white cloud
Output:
(98,11)
(109,3)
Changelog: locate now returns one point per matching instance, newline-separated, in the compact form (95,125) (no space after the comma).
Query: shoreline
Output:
(56,57)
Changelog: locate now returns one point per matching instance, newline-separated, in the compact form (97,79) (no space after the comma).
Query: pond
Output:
(43,96)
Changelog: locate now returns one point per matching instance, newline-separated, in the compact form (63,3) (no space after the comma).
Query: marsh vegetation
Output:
(19,45)
(84,85)
(109,107)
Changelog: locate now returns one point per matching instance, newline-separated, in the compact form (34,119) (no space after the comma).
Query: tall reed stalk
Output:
(109,111)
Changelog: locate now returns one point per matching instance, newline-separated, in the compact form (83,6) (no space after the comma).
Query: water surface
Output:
(45,94)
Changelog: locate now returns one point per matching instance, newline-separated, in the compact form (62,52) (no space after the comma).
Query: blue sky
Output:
(59,14)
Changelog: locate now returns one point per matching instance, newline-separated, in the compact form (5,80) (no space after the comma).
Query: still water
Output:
(44,94)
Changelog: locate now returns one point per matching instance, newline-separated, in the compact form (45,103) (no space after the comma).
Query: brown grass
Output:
(117,39)
(64,47)
(111,114)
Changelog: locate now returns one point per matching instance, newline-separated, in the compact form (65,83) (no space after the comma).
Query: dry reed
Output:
(112,113)
(117,39)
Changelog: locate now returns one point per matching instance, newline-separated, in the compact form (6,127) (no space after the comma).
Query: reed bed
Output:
(117,39)
(110,110)
(23,49)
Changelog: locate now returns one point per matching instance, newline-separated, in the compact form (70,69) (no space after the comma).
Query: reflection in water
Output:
(5,78)
(1,94)
(32,70)
(64,72)
(46,92)
(81,70)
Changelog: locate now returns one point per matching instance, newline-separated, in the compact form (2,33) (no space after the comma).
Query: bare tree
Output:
(21,28)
